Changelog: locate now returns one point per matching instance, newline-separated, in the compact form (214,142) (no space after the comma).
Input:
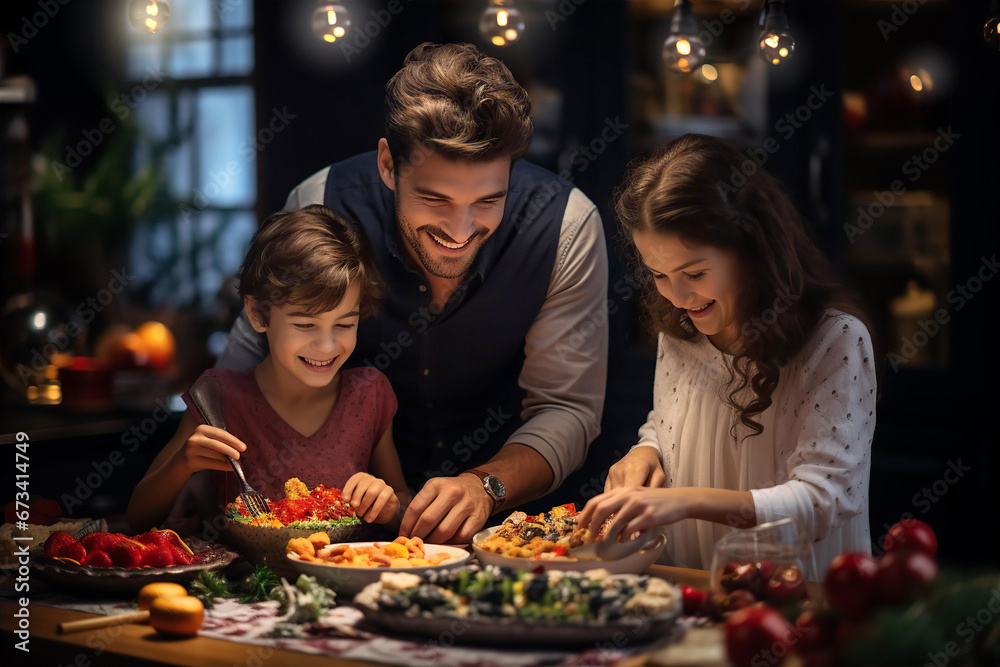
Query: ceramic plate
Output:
(118,581)
(350,580)
(636,563)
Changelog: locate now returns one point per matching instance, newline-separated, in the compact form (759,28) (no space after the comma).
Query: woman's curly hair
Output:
(697,187)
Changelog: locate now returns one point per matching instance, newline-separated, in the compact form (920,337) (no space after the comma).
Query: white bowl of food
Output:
(348,567)
(553,541)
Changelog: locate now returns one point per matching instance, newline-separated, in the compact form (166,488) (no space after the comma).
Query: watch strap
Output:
(482,475)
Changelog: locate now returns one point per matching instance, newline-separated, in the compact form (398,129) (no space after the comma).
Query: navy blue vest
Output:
(454,371)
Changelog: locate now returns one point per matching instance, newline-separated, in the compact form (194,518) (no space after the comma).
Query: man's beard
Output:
(440,267)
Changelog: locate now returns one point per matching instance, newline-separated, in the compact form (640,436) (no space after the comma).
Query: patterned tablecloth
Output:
(341,633)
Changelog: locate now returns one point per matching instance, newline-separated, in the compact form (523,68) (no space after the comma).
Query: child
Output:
(765,387)
(306,281)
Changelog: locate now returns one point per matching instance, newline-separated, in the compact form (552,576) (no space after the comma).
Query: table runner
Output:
(251,624)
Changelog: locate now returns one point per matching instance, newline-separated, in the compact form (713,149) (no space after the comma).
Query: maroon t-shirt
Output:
(276,452)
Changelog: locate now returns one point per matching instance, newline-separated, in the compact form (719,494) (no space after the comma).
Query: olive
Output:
(428,596)
(393,602)
(614,609)
(535,588)
(485,608)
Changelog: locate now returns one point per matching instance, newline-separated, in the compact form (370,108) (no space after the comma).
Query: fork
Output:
(206,394)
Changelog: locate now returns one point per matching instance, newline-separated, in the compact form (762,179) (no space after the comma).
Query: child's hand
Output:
(207,448)
(637,508)
(372,499)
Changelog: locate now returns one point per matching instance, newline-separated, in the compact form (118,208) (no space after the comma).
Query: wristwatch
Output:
(494,488)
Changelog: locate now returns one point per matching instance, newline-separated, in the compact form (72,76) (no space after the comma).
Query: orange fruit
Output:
(158,344)
(178,616)
(159,589)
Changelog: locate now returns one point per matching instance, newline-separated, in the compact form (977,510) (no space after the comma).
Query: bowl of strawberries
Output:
(114,563)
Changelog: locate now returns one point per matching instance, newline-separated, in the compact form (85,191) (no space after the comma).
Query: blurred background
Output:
(136,165)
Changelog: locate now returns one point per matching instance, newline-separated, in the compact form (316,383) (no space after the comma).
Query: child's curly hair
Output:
(688,188)
(309,258)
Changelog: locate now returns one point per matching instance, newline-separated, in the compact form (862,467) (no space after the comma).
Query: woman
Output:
(765,389)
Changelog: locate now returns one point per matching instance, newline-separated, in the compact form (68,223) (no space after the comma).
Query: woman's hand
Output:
(640,467)
(637,508)
(373,500)
(207,448)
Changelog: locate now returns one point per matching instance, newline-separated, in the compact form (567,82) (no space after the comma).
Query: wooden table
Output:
(135,645)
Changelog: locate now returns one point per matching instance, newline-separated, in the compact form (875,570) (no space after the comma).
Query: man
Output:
(494,330)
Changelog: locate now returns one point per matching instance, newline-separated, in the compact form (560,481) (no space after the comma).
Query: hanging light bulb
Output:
(776,42)
(501,24)
(991,31)
(148,15)
(683,51)
(331,21)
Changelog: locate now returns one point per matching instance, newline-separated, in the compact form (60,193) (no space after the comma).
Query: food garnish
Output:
(320,508)
(552,534)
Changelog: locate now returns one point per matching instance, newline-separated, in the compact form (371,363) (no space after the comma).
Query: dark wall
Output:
(340,113)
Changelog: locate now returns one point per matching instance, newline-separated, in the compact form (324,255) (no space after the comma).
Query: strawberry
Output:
(96,541)
(56,541)
(181,557)
(97,559)
(158,557)
(154,538)
(73,550)
(170,537)
(127,556)
(107,542)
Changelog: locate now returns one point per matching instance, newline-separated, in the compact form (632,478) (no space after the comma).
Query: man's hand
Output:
(640,467)
(448,510)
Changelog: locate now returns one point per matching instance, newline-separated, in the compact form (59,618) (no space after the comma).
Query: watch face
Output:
(496,487)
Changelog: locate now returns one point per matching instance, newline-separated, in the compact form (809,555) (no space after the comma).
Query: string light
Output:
(683,51)
(991,30)
(331,21)
(501,24)
(148,15)
(776,42)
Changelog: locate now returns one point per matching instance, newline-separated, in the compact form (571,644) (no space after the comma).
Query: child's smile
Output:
(703,281)
(309,348)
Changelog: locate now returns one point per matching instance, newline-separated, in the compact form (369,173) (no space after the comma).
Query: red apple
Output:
(848,583)
(757,635)
(787,585)
(910,535)
(766,569)
(694,600)
(901,576)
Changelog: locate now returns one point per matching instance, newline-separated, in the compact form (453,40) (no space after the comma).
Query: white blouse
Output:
(812,460)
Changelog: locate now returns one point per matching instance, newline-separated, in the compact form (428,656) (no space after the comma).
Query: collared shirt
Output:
(562,377)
